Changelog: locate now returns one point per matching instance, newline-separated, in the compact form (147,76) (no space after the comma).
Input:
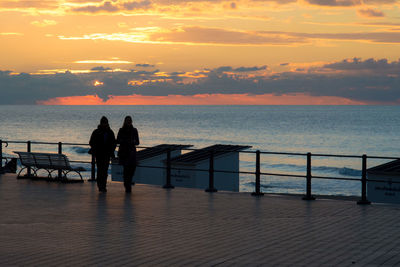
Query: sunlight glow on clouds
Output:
(161,51)
(349,81)
(44,23)
(100,61)
(216,36)
(206,99)
(11,33)
(97,83)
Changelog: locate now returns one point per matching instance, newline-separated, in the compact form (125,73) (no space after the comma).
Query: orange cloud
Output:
(204,99)
(370,13)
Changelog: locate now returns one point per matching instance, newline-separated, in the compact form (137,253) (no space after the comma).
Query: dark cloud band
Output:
(360,80)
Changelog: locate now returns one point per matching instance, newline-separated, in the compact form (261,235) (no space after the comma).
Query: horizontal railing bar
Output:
(14,142)
(378,157)
(282,174)
(79,161)
(281,153)
(74,144)
(43,143)
(336,156)
(336,178)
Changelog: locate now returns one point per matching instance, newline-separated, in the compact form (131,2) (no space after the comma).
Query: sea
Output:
(333,130)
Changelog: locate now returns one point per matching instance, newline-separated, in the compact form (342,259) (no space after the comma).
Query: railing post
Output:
(258,175)
(168,184)
(59,152)
(364,200)
(28,149)
(93,170)
(211,188)
(1,153)
(308,195)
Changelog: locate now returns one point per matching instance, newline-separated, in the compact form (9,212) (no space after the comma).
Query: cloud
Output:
(114,7)
(106,6)
(335,3)
(144,65)
(203,35)
(370,66)
(240,69)
(349,3)
(100,68)
(11,34)
(176,73)
(375,37)
(137,5)
(248,69)
(85,1)
(383,24)
(44,23)
(43,4)
(370,80)
(223,69)
(379,2)
(194,35)
(5,72)
(102,61)
(370,13)
(143,72)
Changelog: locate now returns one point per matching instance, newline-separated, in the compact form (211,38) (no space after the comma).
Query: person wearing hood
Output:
(102,143)
(128,139)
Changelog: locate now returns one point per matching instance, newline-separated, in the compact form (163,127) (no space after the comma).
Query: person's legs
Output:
(102,172)
(129,171)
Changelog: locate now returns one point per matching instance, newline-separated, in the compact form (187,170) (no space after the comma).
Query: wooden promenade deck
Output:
(52,224)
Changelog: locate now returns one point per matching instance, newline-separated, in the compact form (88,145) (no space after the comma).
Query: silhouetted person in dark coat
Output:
(128,139)
(103,143)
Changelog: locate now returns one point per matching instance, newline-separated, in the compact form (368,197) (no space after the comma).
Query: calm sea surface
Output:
(355,130)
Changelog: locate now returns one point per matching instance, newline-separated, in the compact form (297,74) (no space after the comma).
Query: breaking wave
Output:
(344,171)
(80,150)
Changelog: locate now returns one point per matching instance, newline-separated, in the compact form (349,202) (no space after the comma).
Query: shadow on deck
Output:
(45,223)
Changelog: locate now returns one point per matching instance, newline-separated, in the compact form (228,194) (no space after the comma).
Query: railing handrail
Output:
(221,150)
(212,170)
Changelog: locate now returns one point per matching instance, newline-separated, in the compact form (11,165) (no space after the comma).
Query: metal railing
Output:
(257,173)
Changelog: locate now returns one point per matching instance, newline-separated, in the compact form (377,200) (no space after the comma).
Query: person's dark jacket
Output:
(128,139)
(102,142)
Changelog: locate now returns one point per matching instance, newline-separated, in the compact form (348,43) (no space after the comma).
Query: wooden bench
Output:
(49,162)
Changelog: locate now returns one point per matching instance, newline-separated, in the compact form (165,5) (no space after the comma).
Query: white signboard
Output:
(383,192)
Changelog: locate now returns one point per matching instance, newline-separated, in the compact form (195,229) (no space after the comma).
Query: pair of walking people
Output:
(103,143)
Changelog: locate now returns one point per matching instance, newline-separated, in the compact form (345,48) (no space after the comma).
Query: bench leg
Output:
(51,176)
(33,174)
(66,172)
(19,173)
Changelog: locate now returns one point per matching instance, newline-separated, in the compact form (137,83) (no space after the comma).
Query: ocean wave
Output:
(80,150)
(337,170)
(279,185)
(350,172)
(252,184)
(344,171)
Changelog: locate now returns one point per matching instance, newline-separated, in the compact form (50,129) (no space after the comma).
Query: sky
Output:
(211,52)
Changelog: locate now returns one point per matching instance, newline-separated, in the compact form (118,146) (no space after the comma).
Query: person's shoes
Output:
(103,190)
(128,190)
